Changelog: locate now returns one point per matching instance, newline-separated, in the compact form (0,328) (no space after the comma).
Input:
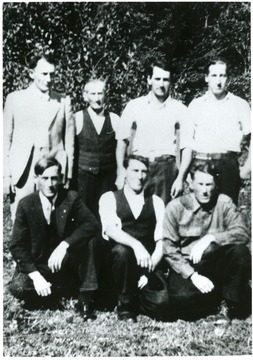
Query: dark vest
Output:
(96,153)
(143,227)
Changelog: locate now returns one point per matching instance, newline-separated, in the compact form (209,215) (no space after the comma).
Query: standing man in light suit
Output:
(37,122)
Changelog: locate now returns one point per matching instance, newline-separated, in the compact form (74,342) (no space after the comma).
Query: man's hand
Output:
(143,280)
(244,172)
(120,180)
(57,256)
(42,287)
(177,187)
(202,283)
(8,186)
(200,247)
(142,256)
(67,184)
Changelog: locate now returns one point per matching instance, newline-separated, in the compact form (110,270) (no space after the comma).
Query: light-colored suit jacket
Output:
(20,128)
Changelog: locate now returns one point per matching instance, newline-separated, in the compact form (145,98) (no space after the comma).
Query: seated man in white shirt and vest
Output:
(54,244)
(95,146)
(132,224)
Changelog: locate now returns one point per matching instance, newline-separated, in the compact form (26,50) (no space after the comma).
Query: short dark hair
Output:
(214,61)
(140,158)
(45,163)
(208,167)
(33,59)
(158,62)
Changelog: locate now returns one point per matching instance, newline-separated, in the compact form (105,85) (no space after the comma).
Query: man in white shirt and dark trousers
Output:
(156,118)
(215,126)
(95,146)
(132,222)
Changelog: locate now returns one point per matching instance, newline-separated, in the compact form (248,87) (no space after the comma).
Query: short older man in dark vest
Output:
(132,222)
(95,146)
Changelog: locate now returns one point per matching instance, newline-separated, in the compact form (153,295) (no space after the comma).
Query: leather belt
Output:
(213,156)
(162,158)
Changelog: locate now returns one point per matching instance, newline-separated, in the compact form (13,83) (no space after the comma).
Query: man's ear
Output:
(31,74)
(85,96)
(190,181)
(149,80)
(206,78)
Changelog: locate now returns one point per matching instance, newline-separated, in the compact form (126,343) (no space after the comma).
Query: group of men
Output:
(126,170)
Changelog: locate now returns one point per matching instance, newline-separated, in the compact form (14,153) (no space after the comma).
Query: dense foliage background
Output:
(116,39)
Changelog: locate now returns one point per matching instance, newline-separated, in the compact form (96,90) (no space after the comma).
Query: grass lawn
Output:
(63,333)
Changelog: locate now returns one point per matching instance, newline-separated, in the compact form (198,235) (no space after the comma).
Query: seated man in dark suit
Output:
(55,243)
(205,245)
(132,222)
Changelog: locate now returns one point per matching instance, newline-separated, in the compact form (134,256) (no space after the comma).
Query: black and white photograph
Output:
(126,179)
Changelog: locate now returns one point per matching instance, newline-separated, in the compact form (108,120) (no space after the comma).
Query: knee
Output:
(20,285)
(241,252)
(122,253)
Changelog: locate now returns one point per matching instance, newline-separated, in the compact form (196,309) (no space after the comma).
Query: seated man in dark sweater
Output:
(55,242)
(205,245)
(132,223)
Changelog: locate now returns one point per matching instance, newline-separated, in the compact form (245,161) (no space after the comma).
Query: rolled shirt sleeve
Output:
(127,119)
(108,212)
(159,214)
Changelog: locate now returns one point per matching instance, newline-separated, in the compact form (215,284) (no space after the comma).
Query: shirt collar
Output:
(45,200)
(191,203)
(93,114)
(128,193)
(151,100)
(39,94)
(209,96)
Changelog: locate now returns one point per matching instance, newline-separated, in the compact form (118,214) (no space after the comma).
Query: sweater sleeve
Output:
(171,241)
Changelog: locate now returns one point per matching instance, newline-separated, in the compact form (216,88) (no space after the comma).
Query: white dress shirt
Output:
(216,126)
(47,206)
(156,125)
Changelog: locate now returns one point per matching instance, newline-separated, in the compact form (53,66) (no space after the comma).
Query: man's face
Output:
(217,79)
(95,95)
(43,75)
(49,182)
(160,83)
(136,174)
(203,186)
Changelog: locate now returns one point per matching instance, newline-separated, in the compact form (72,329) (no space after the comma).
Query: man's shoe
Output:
(223,317)
(125,313)
(85,310)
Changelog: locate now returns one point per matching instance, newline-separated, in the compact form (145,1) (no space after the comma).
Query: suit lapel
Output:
(62,209)
(38,217)
(38,106)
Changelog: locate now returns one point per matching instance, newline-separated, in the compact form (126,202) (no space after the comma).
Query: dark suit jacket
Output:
(75,224)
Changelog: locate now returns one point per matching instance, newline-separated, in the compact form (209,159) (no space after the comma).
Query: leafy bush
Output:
(115,39)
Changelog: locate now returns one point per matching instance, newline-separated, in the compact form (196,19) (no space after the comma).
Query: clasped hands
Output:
(144,260)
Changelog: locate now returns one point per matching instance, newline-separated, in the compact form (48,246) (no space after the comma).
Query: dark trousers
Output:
(92,186)
(79,273)
(228,267)
(162,174)
(151,300)
(229,181)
